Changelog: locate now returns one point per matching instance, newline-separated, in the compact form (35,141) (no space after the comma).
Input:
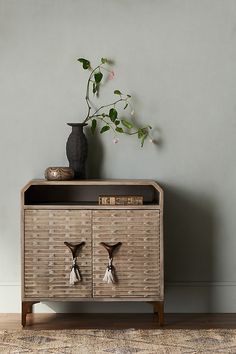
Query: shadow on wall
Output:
(189,225)
(95,155)
(100,307)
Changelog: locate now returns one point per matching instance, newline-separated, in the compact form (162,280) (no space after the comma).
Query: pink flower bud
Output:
(115,140)
(111,75)
(152,141)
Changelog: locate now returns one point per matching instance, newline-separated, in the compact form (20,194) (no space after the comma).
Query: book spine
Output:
(120,200)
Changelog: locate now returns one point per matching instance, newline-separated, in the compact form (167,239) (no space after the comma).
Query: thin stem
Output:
(136,132)
(87,93)
(102,107)
(131,133)
(108,105)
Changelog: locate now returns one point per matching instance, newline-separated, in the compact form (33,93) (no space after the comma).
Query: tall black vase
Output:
(77,150)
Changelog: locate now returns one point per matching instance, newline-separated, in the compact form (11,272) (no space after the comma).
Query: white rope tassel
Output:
(109,274)
(74,274)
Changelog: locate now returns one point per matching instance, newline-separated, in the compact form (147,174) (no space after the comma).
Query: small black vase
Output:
(77,150)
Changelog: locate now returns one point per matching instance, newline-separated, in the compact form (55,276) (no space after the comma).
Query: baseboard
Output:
(180,297)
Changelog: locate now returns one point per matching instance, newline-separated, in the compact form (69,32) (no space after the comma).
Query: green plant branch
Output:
(109,119)
(87,98)
(87,93)
(102,107)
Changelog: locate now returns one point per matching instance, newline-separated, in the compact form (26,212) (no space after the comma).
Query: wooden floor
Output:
(117,321)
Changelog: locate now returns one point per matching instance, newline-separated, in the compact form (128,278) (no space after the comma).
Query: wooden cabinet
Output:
(68,211)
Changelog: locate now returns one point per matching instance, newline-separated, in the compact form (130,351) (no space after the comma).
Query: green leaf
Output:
(119,130)
(126,123)
(140,133)
(143,139)
(126,106)
(97,89)
(98,77)
(113,114)
(93,126)
(117,122)
(104,60)
(117,92)
(94,87)
(85,62)
(104,129)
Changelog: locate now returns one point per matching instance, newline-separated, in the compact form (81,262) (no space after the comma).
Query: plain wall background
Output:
(177,58)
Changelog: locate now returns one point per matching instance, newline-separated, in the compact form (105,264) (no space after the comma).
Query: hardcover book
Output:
(120,200)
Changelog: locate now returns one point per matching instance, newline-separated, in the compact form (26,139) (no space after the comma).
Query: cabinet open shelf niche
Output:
(59,193)
(57,211)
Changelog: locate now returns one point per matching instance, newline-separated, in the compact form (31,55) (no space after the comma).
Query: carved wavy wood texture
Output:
(137,261)
(48,261)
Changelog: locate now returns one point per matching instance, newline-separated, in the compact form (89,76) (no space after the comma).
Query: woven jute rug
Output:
(166,341)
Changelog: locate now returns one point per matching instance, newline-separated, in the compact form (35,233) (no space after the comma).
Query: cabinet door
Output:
(137,261)
(47,261)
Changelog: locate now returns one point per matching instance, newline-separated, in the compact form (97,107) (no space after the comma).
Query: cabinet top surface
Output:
(94,182)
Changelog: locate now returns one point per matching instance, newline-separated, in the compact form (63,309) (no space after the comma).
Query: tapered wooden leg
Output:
(158,307)
(27,307)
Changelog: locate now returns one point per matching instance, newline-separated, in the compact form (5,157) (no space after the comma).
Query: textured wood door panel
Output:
(47,262)
(137,261)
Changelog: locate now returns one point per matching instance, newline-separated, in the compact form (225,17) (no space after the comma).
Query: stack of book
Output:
(120,200)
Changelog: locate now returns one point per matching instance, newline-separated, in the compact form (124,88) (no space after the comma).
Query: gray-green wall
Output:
(178,61)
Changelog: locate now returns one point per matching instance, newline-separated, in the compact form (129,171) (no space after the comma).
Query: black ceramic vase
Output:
(77,150)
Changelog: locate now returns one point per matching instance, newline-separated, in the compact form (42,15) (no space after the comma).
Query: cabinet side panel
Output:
(137,261)
(48,261)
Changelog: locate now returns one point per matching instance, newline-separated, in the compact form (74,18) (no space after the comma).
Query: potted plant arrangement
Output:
(105,118)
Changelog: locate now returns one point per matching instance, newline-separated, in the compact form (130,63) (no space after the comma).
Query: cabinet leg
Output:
(158,307)
(27,307)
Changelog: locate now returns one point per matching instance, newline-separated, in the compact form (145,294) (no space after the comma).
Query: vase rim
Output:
(77,124)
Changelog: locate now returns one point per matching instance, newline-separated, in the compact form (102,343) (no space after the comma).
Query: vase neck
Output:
(77,125)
